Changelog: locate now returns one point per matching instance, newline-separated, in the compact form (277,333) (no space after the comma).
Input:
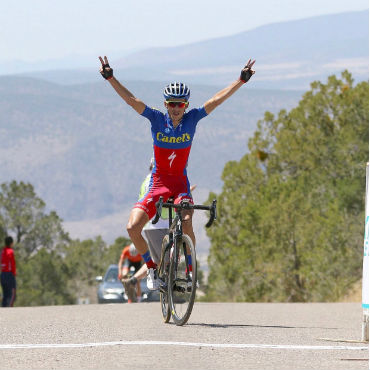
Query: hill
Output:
(86,152)
(289,56)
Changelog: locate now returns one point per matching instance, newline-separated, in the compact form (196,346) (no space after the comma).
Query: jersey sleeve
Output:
(153,115)
(198,113)
(124,253)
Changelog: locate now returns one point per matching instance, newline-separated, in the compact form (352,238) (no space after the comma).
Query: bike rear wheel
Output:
(182,282)
(163,275)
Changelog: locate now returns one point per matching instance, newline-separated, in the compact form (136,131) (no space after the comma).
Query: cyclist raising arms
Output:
(172,134)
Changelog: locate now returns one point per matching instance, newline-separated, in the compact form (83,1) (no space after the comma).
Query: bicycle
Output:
(178,277)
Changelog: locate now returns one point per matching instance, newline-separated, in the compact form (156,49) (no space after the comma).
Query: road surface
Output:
(218,336)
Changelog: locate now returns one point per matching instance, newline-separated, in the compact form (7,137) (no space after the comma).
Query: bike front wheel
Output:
(163,275)
(182,284)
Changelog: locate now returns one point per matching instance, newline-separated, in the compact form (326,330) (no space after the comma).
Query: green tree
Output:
(51,268)
(88,258)
(2,231)
(44,281)
(22,214)
(39,240)
(114,251)
(291,210)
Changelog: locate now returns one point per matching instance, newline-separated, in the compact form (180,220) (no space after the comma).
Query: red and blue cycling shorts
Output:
(167,186)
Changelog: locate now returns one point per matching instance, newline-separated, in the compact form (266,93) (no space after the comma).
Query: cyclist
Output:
(154,234)
(172,134)
(130,258)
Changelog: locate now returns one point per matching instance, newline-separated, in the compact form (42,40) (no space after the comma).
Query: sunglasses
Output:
(180,104)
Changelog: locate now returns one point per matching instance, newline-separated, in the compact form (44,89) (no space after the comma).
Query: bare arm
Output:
(124,93)
(221,96)
(127,96)
(225,93)
(120,267)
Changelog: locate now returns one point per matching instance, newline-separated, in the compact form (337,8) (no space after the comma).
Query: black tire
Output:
(163,275)
(181,296)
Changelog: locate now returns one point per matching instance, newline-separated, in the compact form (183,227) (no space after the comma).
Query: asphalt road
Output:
(218,336)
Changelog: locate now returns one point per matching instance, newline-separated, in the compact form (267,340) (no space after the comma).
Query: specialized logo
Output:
(172,139)
(171,158)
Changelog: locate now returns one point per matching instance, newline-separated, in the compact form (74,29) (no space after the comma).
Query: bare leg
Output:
(187,225)
(138,289)
(138,219)
(141,273)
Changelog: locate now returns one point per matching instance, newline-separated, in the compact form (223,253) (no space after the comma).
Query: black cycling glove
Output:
(107,72)
(245,75)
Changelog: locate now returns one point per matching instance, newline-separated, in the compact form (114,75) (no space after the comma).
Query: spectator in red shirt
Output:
(8,272)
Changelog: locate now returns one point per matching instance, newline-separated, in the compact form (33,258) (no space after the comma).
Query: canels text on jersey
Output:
(172,139)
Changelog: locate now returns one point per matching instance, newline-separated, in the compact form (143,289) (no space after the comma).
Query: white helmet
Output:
(176,90)
(133,251)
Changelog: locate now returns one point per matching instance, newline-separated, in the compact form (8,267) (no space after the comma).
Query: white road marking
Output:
(186,344)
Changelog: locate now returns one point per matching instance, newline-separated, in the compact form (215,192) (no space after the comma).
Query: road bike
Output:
(177,270)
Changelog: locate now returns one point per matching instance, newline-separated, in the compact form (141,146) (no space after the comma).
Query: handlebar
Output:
(186,205)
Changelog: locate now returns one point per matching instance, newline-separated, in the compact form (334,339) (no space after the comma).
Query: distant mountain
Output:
(87,152)
(289,55)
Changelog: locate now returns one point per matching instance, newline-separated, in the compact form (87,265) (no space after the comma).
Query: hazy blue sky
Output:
(44,29)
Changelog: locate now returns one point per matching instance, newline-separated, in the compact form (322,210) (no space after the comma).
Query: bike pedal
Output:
(179,289)
(163,288)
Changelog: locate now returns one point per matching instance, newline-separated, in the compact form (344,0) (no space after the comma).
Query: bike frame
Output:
(169,273)
(175,230)
(175,224)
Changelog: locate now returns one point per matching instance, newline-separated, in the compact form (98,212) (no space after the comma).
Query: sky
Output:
(40,30)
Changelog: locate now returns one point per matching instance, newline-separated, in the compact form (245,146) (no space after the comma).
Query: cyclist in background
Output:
(130,258)
(172,134)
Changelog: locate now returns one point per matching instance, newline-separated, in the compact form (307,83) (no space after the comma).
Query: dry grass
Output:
(354,294)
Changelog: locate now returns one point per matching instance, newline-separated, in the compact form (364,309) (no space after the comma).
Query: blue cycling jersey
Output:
(171,145)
